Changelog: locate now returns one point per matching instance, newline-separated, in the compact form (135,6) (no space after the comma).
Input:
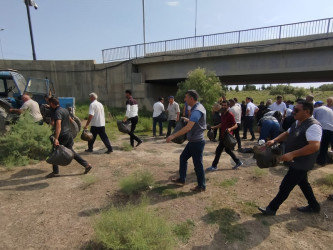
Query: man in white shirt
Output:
(324,115)
(173,114)
(279,105)
(251,110)
(236,110)
(32,106)
(131,115)
(96,120)
(158,109)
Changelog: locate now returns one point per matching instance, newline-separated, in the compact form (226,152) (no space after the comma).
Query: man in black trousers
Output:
(302,146)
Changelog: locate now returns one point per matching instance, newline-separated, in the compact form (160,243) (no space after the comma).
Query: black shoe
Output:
(252,139)
(138,144)
(109,151)
(308,209)
(198,189)
(267,211)
(178,181)
(88,150)
(88,168)
(51,175)
(244,138)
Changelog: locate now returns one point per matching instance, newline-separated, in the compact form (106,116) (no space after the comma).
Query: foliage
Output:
(206,83)
(88,180)
(237,88)
(259,172)
(184,230)
(133,227)
(248,87)
(25,142)
(136,182)
(300,92)
(326,87)
(327,180)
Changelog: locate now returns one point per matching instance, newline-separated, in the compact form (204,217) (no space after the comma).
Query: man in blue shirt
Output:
(194,130)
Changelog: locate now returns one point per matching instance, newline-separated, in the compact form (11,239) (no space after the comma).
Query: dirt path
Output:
(58,213)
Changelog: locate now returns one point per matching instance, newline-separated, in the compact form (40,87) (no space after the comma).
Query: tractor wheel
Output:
(3,126)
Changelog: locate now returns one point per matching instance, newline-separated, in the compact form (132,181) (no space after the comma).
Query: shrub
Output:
(25,142)
(136,182)
(133,227)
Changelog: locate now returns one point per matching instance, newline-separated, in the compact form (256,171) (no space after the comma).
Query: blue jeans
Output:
(269,129)
(194,150)
(155,121)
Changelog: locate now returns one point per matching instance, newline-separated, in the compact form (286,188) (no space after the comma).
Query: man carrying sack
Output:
(227,123)
(302,146)
(62,135)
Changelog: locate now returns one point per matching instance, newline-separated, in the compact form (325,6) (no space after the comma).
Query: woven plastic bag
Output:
(60,156)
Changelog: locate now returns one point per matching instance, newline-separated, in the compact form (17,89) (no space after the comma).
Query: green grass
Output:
(260,172)
(133,227)
(127,146)
(229,182)
(249,207)
(327,180)
(88,180)
(136,182)
(184,230)
(227,219)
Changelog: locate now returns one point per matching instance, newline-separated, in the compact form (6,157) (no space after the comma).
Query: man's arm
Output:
(18,111)
(57,132)
(177,119)
(184,130)
(88,122)
(312,147)
(279,138)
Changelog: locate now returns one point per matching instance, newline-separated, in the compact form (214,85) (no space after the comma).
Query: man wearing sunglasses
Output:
(302,146)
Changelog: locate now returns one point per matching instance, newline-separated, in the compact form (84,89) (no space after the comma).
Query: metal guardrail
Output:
(233,38)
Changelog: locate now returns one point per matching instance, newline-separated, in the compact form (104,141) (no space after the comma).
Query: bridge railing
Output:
(229,39)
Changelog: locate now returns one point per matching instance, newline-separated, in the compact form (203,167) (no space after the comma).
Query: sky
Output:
(81,29)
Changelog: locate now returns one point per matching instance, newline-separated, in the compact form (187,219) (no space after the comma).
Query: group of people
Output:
(307,135)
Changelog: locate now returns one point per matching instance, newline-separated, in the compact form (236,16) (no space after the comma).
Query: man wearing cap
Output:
(194,130)
(324,115)
(173,114)
(96,120)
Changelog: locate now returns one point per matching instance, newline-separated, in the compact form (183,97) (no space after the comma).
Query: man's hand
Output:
(56,142)
(270,143)
(125,119)
(287,157)
(85,127)
(169,138)
(229,130)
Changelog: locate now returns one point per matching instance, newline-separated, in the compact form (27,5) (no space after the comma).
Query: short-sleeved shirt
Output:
(33,108)
(313,133)
(279,107)
(195,116)
(173,109)
(96,109)
(251,107)
(158,108)
(324,115)
(62,114)
(236,110)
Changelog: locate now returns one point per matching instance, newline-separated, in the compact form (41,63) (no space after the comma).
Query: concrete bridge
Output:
(304,56)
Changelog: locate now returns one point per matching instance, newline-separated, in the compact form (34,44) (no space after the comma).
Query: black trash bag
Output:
(86,135)
(60,156)
(162,117)
(246,150)
(267,157)
(210,134)
(74,129)
(229,140)
(124,127)
(179,125)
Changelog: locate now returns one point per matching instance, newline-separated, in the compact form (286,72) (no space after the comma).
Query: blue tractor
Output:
(12,87)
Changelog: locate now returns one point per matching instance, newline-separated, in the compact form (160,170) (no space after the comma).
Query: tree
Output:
(263,87)
(237,89)
(300,92)
(206,83)
(231,89)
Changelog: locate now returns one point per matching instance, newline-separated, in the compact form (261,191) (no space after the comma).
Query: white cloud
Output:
(173,3)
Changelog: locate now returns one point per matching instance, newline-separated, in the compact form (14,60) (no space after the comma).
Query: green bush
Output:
(25,142)
(136,182)
(133,227)
(184,230)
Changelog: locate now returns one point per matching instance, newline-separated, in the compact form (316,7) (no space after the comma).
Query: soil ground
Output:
(59,213)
